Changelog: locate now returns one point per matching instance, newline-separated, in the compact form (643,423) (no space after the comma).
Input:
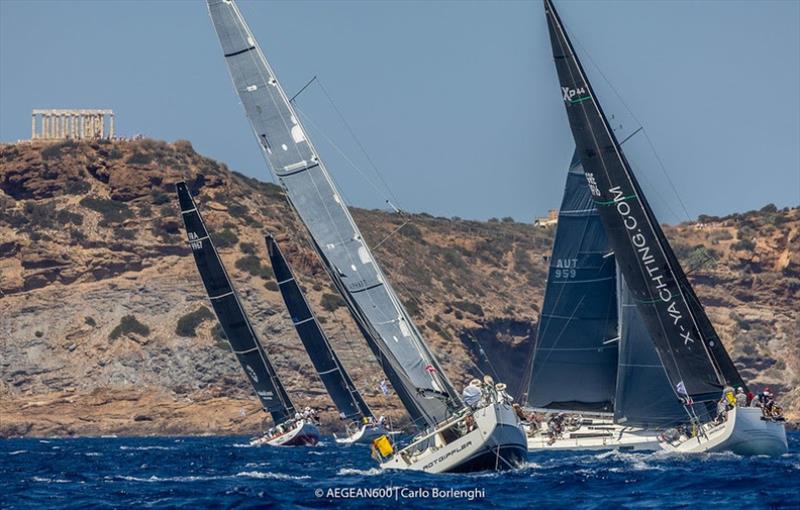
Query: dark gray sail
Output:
(330,370)
(310,189)
(240,333)
(575,357)
(644,396)
(695,361)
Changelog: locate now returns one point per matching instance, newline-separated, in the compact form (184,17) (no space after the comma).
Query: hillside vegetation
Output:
(106,328)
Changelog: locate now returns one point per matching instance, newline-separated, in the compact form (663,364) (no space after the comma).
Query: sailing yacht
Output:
(691,353)
(289,430)
(362,426)
(453,437)
(580,371)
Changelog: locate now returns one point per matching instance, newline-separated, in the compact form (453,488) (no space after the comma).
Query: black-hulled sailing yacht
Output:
(694,359)
(594,372)
(454,437)
(362,426)
(288,430)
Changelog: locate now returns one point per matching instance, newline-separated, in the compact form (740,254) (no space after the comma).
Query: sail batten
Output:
(242,338)
(311,192)
(330,370)
(650,267)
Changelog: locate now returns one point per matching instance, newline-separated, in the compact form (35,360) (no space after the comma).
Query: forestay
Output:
(682,334)
(240,333)
(330,370)
(575,357)
(310,190)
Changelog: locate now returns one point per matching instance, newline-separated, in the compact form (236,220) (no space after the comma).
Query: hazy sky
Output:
(457,103)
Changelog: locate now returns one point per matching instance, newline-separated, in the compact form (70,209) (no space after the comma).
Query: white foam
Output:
(48,480)
(360,472)
(271,476)
(145,448)
(17,452)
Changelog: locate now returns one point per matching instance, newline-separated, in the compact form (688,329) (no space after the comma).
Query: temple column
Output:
(33,126)
(111,127)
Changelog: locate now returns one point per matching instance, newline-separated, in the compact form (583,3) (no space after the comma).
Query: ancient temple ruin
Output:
(72,124)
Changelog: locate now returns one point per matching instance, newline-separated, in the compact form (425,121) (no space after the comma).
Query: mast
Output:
(329,369)
(694,359)
(575,358)
(310,190)
(241,336)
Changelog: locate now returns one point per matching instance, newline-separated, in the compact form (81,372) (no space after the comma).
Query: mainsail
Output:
(330,370)
(693,357)
(240,333)
(312,193)
(575,357)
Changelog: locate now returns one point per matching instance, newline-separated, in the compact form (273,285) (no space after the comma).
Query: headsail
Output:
(644,396)
(689,350)
(330,370)
(240,333)
(575,358)
(310,190)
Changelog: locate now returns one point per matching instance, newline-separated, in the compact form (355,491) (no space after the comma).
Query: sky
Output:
(456,103)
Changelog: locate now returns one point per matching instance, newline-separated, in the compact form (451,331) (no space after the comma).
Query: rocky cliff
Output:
(106,329)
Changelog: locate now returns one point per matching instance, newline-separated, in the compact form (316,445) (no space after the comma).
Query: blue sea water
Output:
(224,472)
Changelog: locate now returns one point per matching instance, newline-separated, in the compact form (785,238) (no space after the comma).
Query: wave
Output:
(145,448)
(164,478)
(271,476)
(17,452)
(359,472)
(48,480)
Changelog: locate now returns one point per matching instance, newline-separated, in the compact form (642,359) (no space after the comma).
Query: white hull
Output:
(496,442)
(743,433)
(595,434)
(302,434)
(364,435)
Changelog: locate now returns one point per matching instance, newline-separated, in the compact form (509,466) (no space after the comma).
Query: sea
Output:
(225,472)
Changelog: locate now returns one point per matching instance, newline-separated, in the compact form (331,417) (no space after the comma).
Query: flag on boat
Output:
(384,387)
(681,388)
(431,369)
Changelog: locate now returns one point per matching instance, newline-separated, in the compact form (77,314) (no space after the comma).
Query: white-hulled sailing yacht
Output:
(689,350)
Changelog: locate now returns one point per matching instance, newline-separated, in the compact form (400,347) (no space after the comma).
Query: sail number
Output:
(565,268)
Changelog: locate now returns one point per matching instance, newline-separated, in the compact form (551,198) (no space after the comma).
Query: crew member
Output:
(473,393)
(741,397)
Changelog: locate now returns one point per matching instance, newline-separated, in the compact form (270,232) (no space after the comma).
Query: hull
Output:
(496,442)
(364,435)
(303,434)
(744,432)
(595,434)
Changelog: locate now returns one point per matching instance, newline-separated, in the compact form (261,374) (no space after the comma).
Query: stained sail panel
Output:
(238,330)
(643,253)
(644,396)
(575,357)
(299,170)
(334,377)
